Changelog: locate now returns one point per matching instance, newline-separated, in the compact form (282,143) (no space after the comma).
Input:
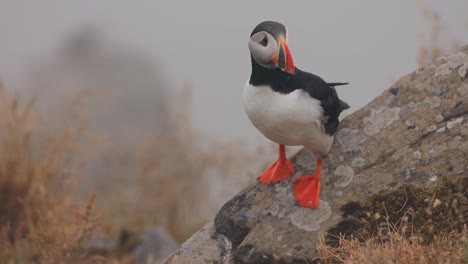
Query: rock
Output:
(99,244)
(154,245)
(205,246)
(150,246)
(389,149)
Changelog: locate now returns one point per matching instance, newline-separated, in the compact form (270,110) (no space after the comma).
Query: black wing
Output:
(325,92)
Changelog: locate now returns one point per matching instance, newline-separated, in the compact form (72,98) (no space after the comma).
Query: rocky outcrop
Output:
(150,246)
(415,133)
(205,246)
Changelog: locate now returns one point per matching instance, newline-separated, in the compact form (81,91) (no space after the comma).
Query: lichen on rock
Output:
(358,162)
(310,220)
(350,139)
(345,176)
(380,118)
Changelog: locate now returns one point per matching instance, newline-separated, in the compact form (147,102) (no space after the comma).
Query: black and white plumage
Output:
(300,109)
(290,107)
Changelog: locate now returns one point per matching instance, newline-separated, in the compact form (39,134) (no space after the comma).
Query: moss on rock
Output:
(415,211)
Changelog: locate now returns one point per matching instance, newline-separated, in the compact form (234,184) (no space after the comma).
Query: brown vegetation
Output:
(38,221)
(42,162)
(407,225)
(426,213)
(397,249)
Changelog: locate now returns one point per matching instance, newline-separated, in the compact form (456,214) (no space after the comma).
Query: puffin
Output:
(290,107)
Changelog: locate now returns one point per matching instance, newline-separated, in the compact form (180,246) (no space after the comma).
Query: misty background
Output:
(203,44)
(157,86)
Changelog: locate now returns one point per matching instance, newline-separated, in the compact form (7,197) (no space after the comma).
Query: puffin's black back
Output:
(313,85)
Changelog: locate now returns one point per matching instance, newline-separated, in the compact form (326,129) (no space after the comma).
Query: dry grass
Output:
(40,164)
(38,222)
(396,249)
(396,241)
(409,224)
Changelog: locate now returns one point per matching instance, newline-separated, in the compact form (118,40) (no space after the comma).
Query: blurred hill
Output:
(112,83)
(138,136)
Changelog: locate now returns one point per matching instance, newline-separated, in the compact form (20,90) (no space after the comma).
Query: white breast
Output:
(292,119)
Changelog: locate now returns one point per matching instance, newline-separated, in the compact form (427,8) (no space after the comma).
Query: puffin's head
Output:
(268,47)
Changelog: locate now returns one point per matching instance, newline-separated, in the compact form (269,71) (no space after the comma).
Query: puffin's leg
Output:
(278,171)
(307,188)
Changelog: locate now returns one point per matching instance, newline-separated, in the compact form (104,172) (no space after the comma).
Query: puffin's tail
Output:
(343,105)
(333,84)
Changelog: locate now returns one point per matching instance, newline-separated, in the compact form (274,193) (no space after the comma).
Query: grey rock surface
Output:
(205,246)
(154,245)
(150,246)
(415,132)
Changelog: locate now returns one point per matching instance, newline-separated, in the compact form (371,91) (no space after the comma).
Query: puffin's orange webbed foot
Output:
(307,188)
(278,171)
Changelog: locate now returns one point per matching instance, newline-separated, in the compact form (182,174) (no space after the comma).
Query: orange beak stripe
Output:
(287,57)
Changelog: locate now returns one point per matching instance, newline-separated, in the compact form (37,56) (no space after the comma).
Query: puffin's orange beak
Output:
(284,58)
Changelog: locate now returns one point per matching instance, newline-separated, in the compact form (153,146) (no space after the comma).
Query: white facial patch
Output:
(263,53)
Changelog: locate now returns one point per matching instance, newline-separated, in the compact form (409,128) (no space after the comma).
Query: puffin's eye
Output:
(264,41)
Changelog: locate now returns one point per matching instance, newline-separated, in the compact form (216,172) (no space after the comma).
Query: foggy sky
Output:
(204,43)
